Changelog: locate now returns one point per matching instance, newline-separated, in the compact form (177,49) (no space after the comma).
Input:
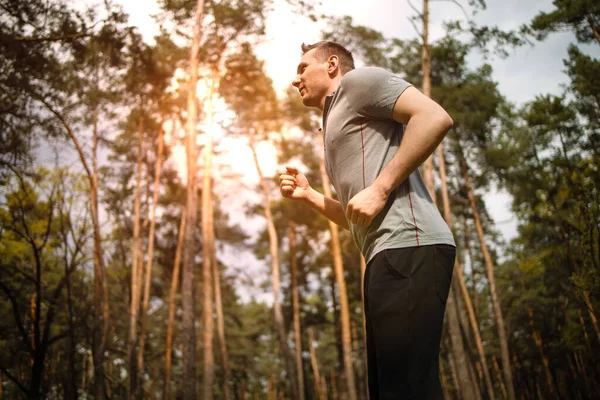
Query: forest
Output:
(146,251)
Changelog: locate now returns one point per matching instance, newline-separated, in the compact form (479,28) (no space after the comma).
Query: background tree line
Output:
(120,212)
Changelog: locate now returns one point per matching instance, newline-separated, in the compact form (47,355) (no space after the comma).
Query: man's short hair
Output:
(326,49)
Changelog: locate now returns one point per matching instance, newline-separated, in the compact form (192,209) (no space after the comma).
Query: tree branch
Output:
(588,16)
(416,28)
(18,271)
(415,9)
(18,321)
(30,39)
(458,4)
(58,337)
(73,137)
(14,379)
(50,219)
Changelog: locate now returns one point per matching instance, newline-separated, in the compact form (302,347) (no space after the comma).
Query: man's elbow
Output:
(444,122)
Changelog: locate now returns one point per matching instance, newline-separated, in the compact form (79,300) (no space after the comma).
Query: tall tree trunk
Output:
(148,275)
(337,326)
(475,329)
(426,71)
(221,327)
(37,367)
(271,388)
(296,308)
(445,384)
(336,254)
(135,271)
(315,365)
(323,387)
(590,308)
(71,389)
(70,382)
(489,266)
(101,311)
(537,338)
(172,296)
(585,333)
(274,250)
(499,377)
(188,277)
(333,379)
(465,329)
(459,277)
(359,371)
(453,369)
(465,384)
(208,249)
(590,21)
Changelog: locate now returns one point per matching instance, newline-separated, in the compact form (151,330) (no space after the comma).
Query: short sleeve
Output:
(372,92)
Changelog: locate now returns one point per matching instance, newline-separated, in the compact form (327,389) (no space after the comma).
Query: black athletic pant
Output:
(405,300)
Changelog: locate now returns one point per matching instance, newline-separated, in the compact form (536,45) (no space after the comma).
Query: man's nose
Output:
(296,81)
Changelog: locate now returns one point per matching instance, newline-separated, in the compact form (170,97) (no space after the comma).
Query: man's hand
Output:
(293,184)
(365,205)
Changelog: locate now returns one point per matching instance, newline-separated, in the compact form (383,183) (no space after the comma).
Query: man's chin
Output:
(308,102)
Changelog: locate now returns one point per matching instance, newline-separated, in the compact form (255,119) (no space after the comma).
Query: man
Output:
(377,130)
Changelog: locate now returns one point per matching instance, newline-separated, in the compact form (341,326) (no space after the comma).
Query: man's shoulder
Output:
(366,73)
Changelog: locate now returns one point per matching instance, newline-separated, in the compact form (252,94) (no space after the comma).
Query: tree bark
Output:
(585,333)
(537,338)
(489,266)
(465,384)
(101,310)
(323,389)
(208,250)
(148,276)
(590,308)
(100,278)
(475,329)
(336,254)
(275,276)
(315,365)
(588,16)
(296,308)
(221,328)
(135,271)
(458,273)
(190,244)
(445,384)
(172,296)
(499,377)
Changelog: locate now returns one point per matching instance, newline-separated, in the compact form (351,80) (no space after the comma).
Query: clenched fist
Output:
(293,184)
(365,205)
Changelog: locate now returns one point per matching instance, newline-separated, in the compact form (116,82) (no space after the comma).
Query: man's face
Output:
(312,79)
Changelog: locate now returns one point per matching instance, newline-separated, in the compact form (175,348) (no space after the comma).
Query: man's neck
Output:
(335,83)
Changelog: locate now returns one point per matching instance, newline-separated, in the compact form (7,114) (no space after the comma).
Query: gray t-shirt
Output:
(360,139)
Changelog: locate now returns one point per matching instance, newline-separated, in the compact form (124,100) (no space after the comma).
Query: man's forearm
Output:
(422,135)
(329,208)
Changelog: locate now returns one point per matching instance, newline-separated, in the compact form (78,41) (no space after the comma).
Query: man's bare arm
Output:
(328,207)
(426,125)
(294,185)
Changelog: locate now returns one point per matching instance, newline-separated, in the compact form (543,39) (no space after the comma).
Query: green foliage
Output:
(57,62)
(579,16)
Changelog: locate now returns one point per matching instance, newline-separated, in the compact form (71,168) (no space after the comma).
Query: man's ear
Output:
(333,64)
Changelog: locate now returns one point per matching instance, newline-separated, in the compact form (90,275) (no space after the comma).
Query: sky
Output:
(527,72)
